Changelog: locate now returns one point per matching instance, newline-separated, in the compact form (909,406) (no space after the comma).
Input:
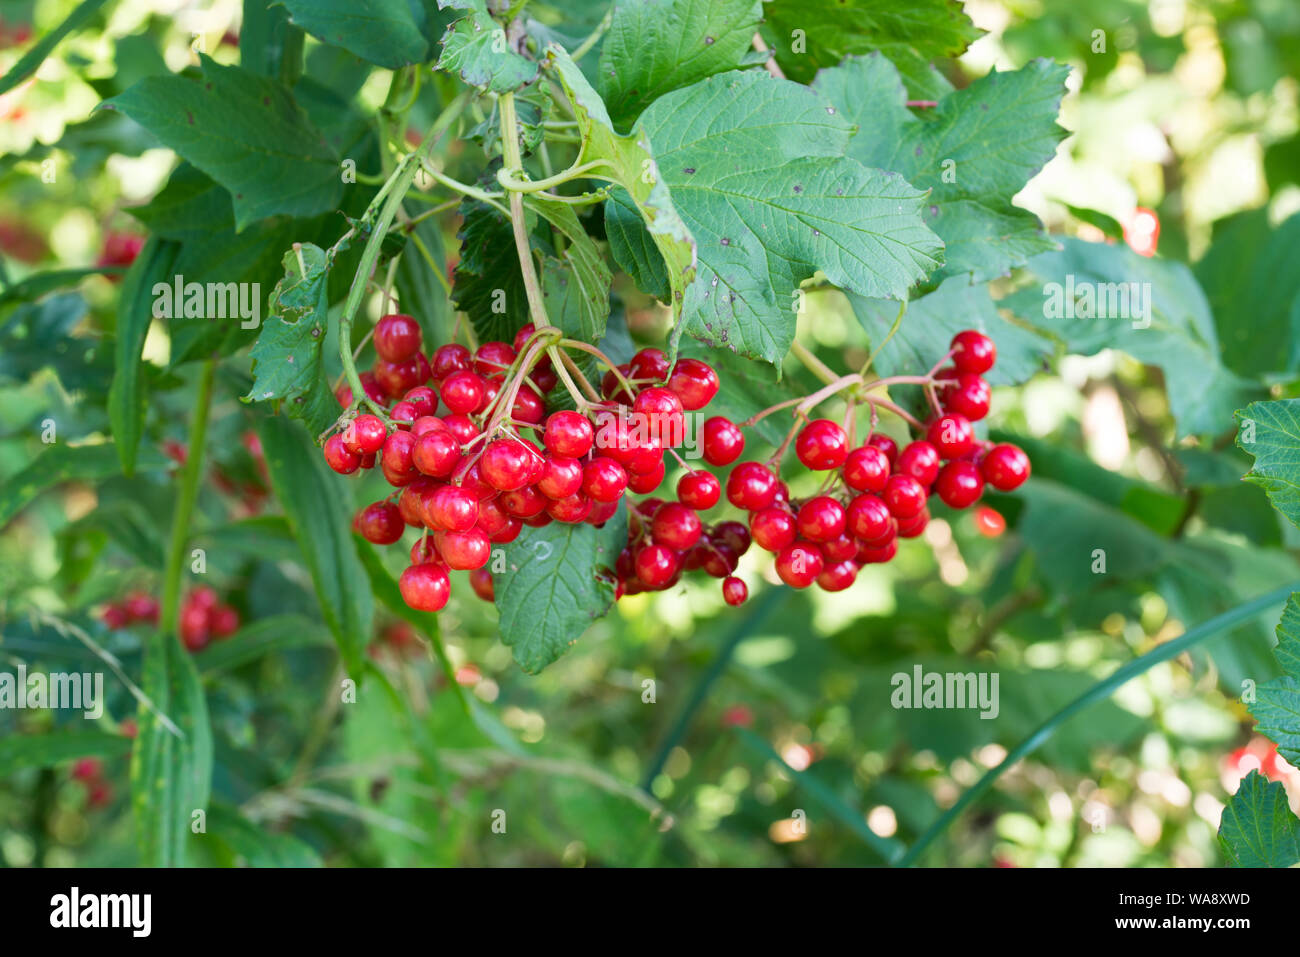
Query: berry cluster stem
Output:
(514,164)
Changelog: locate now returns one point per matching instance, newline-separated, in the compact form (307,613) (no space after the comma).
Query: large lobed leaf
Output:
(1257,828)
(385,32)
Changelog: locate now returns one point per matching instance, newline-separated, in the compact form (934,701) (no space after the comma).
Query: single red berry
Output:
(87,769)
(409,502)
(751,486)
(381,523)
(699,490)
(914,526)
(472,479)
(480,579)
(695,383)
(822,445)
(799,564)
(975,352)
(821,519)
(425,587)
(194,627)
(1005,467)
(506,464)
(570,510)
(969,395)
(451,508)
(660,416)
(404,413)
(723,441)
(141,607)
(952,435)
(115,617)
(493,358)
(656,566)
(365,434)
(603,479)
(612,389)
(464,550)
(524,502)
(773,528)
(959,484)
(878,554)
(904,495)
(462,427)
(463,392)
(733,534)
(569,434)
(676,526)
(223,621)
(643,483)
(838,576)
(397,454)
(886,445)
(436,453)
(423,398)
(450,358)
(840,549)
(920,460)
(508,532)
(869,518)
(427,423)
(529,406)
(491,516)
(398,378)
(339,458)
(866,469)
(561,477)
(649,364)
(718,559)
(734,591)
(425,552)
(989,522)
(397,337)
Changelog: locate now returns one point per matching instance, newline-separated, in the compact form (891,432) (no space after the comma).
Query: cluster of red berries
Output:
(203,616)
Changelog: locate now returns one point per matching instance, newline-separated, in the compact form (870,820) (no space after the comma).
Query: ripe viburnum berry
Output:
(661,411)
(869,518)
(463,392)
(751,486)
(464,550)
(649,364)
(822,445)
(506,464)
(450,358)
(695,383)
(734,591)
(968,395)
(676,526)
(397,337)
(656,565)
(952,435)
(904,495)
(1005,467)
(959,484)
(365,434)
(773,528)
(451,508)
(569,434)
(436,453)
(493,358)
(975,352)
(798,565)
(886,445)
(425,587)
(338,457)
(723,441)
(561,477)
(699,490)
(920,460)
(603,479)
(866,469)
(821,519)
(380,523)
(838,576)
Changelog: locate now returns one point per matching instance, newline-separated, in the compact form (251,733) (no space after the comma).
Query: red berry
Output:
(506,464)
(493,359)
(398,378)
(723,441)
(463,392)
(656,566)
(975,352)
(224,621)
(480,579)
(529,406)
(603,479)
(838,577)
(904,495)
(914,526)
(643,483)
(380,523)
(1005,467)
(524,502)
(365,434)
(773,528)
(451,508)
(569,434)
(734,591)
(840,549)
(695,383)
(821,519)
(751,486)
(869,518)
(436,453)
(699,490)
(561,477)
(649,364)
(952,435)
(115,617)
(423,398)
(570,510)
(339,458)
(968,396)
(87,769)
(799,564)
(989,522)
(508,532)
(397,454)
(886,445)
(822,445)
(464,550)
(404,413)
(921,461)
(871,555)
(397,337)
(141,607)
(733,534)
(194,627)
(959,484)
(462,427)
(676,526)
(450,358)
(866,469)
(428,423)
(660,416)
(425,587)
(408,504)
(472,479)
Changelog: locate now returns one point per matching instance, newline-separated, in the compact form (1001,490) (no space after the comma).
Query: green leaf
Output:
(757,171)
(554,585)
(1270,431)
(628,161)
(43,335)
(476,49)
(287,362)
(268,154)
(384,32)
(63,463)
(807,35)
(127,398)
(1251,276)
(931,321)
(320,515)
(488,285)
(653,47)
(1277,702)
(33,58)
(1096,296)
(974,152)
(256,846)
(171,772)
(419,284)
(575,285)
(1257,828)
(259,639)
(46,750)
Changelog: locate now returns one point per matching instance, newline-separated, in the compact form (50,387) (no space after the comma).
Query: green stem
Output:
(818,368)
(169,615)
(585,46)
(1098,692)
(514,163)
(509,182)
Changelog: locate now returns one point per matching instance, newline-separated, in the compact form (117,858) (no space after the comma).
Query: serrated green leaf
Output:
(475,48)
(268,155)
(1257,828)
(1095,296)
(552,587)
(757,171)
(171,774)
(974,151)
(19,751)
(320,515)
(287,362)
(931,321)
(653,47)
(1277,702)
(807,35)
(62,463)
(388,33)
(1270,431)
(488,285)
